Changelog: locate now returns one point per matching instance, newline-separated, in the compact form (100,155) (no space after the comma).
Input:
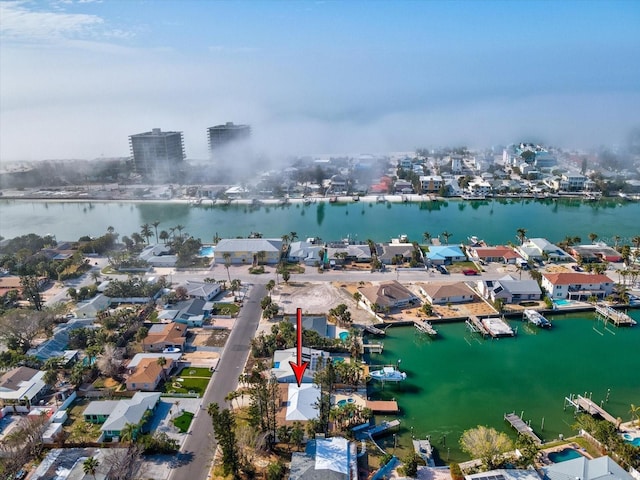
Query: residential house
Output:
(22,385)
(354,253)
(158,255)
(332,458)
(202,290)
(317,323)
(506,474)
(317,360)
(510,289)
(539,248)
(597,252)
(396,253)
(391,294)
(576,286)
(192,312)
(305,252)
(115,415)
(498,254)
(480,187)
(12,282)
(430,183)
(583,468)
(246,251)
(298,403)
(148,373)
(338,184)
(403,186)
(443,293)
(92,307)
(445,254)
(161,336)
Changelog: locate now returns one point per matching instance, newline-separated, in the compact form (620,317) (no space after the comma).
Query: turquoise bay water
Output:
(459,381)
(495,221)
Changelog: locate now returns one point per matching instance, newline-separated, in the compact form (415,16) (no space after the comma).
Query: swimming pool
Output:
(344,401)
(564,455)
(635,441)
(562,301)
(338,359)
(207,251)
(344,336)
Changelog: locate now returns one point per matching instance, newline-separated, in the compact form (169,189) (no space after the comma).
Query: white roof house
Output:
(121,412)
(203,290)
(245,250)
(140,356)
(602,468)
(20,383)
(305,252)
(537,248)
(325,459)
(92,307)
(301,401)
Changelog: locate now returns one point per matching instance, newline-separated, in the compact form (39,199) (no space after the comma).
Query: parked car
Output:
(470,272)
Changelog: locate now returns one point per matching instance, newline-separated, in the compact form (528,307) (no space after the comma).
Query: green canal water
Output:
(458,381)
(495,221)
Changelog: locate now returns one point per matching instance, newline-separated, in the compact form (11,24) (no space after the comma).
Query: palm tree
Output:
(270,286)
(616,240)
(357,296)
(155,225)
(180,228)
(635,413)
(261,256)
(162,361)
(90,465)
(95,275)
(636,241)
(227,263)
(285,239)
(128,433)
(426,236)
(293,236)
(164,236)
(521,233)
(145,231)
(446,236)
(592,237)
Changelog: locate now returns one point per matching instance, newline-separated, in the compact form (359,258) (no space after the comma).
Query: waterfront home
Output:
(445,254)
(576,286)
(305,252)
(161,336)
(246,251)
(332,458)
(397,253)
(597,252)
(203,290)
(497,254)
(539,248)
(114,415)
(506,474)
(158,255)
(601,468)
(317,323)
(148,373)
(510,289)
(443,293)
(22,386)
(354,253)
(317,360)
(430,183)
(391,294)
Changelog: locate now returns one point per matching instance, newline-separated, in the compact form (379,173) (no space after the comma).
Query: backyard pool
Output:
(564,455)
(562,302)
(207,251)
(635,441)
(344,401)
(344,336)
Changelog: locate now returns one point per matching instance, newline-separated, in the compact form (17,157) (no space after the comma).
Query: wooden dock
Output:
(373,347)
(383,406)
(619,319)
(374,330)
(425,327)
(585,404)
(424,450)
(475,325)
(522,428)
(382,428)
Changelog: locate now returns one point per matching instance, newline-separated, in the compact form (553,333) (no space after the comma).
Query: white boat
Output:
(473,196)
(388,374)
(537,319)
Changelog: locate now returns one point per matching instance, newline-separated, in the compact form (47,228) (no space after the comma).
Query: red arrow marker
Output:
(299,367)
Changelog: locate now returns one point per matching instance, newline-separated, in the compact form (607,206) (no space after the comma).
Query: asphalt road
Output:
(194,460)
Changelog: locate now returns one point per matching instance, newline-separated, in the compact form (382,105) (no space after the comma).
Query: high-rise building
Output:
(226,135)
(156,152)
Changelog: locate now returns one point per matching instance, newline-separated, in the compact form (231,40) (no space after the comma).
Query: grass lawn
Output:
(188,384)
(225,309)
(458,267)
(183,421)
(195,372)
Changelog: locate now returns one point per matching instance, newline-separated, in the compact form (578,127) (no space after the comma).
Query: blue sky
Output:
(78,76)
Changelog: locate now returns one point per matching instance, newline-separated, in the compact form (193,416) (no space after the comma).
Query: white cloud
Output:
(21,23)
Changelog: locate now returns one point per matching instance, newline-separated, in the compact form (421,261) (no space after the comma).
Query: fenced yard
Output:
(189,380)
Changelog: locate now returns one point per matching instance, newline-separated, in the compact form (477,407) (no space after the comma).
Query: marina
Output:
(536,318)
